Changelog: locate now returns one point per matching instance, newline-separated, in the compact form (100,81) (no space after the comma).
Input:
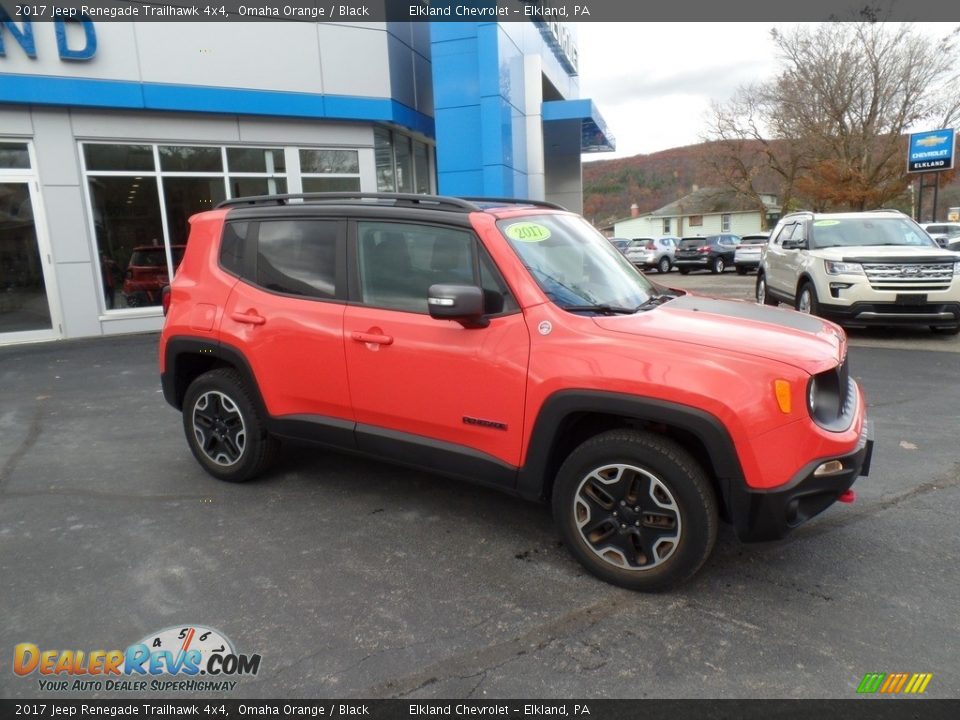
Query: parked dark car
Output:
(713,253)
(620,244)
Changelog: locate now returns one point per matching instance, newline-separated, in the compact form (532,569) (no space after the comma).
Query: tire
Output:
(807,299)
(224,429)
(945,330)
(741,270)
(762,295)
(663,539)
(663,266)
(683,270)
(718,265)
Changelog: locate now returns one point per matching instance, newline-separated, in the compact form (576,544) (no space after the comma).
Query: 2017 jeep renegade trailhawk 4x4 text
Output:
(508,343)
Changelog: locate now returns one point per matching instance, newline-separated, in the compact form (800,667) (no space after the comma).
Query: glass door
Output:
(24,264)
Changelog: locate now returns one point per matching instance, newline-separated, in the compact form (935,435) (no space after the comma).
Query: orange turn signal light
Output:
(781,389)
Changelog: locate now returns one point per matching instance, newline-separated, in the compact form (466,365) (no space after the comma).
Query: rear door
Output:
(286,317)
(427,391)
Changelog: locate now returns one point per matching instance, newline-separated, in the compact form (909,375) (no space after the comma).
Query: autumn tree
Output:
(845,97)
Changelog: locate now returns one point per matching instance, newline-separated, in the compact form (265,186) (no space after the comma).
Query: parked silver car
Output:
(653,252)
(750,251)
(943,232)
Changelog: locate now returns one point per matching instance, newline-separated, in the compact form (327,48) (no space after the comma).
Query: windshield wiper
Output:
(600,308)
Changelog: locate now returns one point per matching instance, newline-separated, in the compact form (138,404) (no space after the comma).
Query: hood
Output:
(803,341)
(884,253)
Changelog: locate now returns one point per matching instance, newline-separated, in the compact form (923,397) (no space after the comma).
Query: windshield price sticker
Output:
(825,223)
(528,232)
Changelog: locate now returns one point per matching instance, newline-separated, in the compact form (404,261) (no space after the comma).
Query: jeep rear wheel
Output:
(635,509)
(226,433)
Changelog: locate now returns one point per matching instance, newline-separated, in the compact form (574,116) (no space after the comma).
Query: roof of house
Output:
(706,201)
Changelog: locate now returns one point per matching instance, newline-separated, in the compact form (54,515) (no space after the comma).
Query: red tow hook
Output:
(847,496)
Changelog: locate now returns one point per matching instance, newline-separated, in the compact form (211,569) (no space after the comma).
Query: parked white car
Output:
(943,233)
(860,269)
(750,251)
(648,253)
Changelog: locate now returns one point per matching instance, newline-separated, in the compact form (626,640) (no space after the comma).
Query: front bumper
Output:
(935,314)
(759,515)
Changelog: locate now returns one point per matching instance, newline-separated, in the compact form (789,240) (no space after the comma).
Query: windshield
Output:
(860,232)
(574,264)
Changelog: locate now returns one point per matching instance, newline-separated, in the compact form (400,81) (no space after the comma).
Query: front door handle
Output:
(250,318)
(374,338)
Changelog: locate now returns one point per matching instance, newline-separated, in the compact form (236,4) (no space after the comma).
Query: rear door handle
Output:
(374,338)
(250,318)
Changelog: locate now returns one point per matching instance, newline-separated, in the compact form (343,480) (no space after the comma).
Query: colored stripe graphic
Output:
(871,682)
(894,683)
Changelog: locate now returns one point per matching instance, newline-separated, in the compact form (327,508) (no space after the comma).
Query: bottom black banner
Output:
(865,709)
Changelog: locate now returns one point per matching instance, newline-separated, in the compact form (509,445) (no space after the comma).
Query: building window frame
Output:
(725,222)
(158,175)
(412,143)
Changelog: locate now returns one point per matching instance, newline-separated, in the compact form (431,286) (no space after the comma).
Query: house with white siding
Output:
(705,211)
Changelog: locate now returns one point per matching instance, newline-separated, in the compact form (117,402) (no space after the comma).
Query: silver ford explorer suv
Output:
(860,269)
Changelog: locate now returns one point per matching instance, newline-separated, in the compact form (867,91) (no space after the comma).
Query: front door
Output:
(26,269)
(426,389)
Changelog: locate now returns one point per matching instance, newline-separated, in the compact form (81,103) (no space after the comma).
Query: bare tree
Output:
(744,155)
(846,95)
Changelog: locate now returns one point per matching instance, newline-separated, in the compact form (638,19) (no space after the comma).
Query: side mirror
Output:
(463,303)
(794,244)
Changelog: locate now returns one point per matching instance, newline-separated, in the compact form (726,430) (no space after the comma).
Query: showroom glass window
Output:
(330,170)
(142,196)
(402,163)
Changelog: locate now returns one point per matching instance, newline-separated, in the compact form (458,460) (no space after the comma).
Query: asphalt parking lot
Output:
(356,579)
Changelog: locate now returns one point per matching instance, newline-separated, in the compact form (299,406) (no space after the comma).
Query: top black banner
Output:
(352,11)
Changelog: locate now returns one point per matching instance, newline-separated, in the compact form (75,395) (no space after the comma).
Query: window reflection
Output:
(129,234)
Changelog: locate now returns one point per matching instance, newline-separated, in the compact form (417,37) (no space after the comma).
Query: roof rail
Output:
(432,202)
(498,202)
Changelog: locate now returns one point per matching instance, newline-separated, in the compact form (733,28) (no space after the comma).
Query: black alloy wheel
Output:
(224,429)
(636,509)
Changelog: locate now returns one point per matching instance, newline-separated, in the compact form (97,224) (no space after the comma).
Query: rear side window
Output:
(298,257)
(233,247)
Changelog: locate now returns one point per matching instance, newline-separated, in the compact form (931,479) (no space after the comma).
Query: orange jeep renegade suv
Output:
(507,343)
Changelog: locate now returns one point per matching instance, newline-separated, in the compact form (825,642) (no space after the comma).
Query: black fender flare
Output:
(178,348)
(533,482)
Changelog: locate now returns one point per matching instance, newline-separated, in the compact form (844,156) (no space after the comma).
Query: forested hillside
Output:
(654,180)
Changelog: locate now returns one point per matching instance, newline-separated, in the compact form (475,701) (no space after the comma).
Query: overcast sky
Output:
(653,82)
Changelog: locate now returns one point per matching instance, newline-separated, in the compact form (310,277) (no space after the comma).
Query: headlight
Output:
(842,268)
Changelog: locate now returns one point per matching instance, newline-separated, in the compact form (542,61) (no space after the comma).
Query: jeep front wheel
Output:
(635,509)
(718,265)
(226,433)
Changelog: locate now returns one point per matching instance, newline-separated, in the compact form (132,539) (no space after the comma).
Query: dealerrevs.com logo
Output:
(178,659)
